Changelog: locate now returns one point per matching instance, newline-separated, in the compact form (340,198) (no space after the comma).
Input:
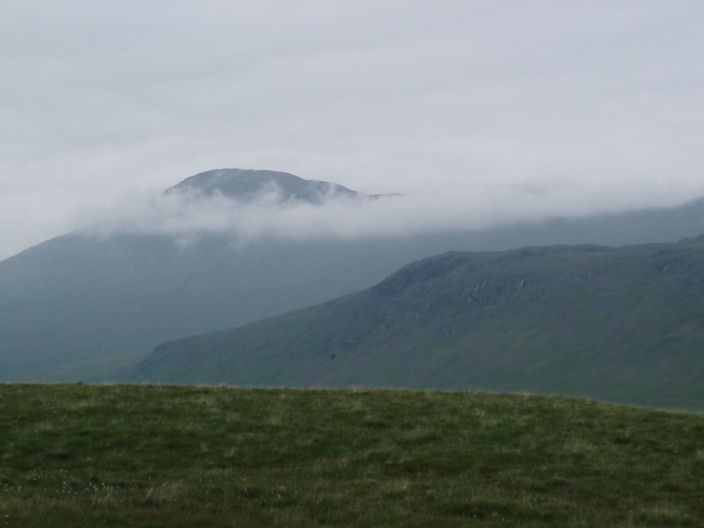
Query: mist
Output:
(186,215)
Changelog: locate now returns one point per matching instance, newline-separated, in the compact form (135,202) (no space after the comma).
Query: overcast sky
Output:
(514,108)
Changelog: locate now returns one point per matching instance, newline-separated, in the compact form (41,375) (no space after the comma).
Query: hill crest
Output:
(617,324)
(247,186)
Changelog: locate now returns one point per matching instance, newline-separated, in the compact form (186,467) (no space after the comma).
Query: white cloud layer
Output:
(186,215)
(478,111)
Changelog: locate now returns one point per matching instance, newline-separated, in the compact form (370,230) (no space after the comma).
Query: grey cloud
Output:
(538,101)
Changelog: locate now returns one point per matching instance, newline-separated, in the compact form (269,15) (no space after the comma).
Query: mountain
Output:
(249,185)
(80,306)
(84,306)
(624,325)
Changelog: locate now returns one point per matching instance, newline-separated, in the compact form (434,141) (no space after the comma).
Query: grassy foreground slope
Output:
(624,325)
(77,455)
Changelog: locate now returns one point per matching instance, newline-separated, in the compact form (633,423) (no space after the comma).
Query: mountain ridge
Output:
(619,324)
(247,185)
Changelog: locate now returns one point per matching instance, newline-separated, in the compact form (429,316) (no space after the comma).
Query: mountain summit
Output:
(248,185)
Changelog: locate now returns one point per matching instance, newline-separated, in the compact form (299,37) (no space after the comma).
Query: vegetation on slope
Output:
(623,324)
(77,455)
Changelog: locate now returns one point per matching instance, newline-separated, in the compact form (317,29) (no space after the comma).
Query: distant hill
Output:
(248,185)
(623,324)
(82,306)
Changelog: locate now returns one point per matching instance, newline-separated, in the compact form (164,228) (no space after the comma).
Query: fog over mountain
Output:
(254,204)
(215,251)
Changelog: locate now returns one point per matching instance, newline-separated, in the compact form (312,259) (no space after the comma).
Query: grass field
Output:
(79,455)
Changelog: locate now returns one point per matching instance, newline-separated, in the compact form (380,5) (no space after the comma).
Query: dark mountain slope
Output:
(616,324)
(75,301)
(81,306)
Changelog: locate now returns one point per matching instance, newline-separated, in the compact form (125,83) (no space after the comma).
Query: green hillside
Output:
(149,456)
(623,325)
